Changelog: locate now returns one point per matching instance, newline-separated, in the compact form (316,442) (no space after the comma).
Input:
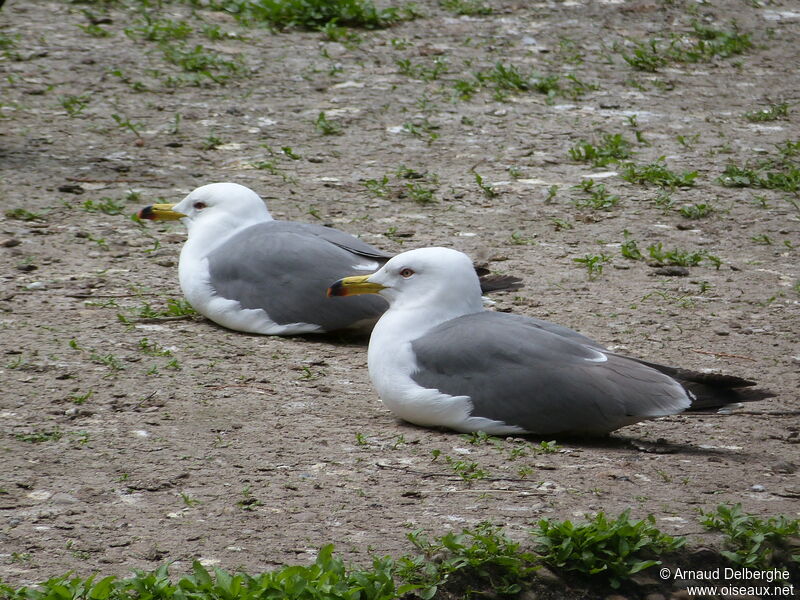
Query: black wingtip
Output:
(500,283)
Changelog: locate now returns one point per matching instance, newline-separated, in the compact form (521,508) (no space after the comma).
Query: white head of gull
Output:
(438,358)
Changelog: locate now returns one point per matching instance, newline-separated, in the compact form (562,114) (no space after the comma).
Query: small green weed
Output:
(313,14)
(188,500)
(109,206)
(347,37)
(778,172)
(201,64)
(22,214)
(754,543)
(610,548)
(487,189)
(94,30)
(483,552)
(74,105)
(696,211)
(38,437)
(610,148)
(629,247)
(701,44)
(519,239)
(594,263)
(174,309)
(424,72)
(153,348)
(420,193)
(80,398)
(377,187)
(679,257)
(124,122)
(597,196)
(327,127)
(645,56)
(773,112)
(657,173)
(466,7)
(158,29)
(424,130)
(248,501)
(467,470)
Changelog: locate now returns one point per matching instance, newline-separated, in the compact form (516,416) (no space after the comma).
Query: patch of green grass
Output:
(158,29)
(38,437)
(487,188)
(424,130)
(94,30)
(680,257)
(711,43)
(107,205)
(483,553)
(778,172)
(702,43)
(22,214)
(752,542)
(657,173)
(629,247)
(594,263)
(153,348)
(249,501)
(80,398)
(477,562)
(326,126)
(696,211)
(773,112)
(74,104)
(313,14)
(597,196)
(201,64)
(467,7)
(419,193)
(377,187)
(612,549)
(519,239)
(503,79)
(645,56)
(610,148)
(124,122)
(174,309)
(335,33)
(422,71)
(467,470)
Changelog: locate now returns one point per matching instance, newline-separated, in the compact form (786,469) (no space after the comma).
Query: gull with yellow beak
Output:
(247,271)
(438,358)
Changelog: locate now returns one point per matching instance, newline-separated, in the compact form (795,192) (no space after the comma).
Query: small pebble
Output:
(758,488)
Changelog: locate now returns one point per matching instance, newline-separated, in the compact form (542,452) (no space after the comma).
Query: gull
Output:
(438,358)
(246,271)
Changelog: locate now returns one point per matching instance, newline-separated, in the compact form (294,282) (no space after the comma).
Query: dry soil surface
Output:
(128,440)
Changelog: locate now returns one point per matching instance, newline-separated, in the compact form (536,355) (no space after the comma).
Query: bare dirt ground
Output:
(127,442)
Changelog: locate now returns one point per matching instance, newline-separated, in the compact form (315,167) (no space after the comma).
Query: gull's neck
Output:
(406,321)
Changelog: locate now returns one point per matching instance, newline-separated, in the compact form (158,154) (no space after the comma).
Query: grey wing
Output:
(524,373)
(286,272)
(341,239)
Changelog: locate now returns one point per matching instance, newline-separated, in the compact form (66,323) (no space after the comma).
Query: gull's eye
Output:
(406,272)
(199,205)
